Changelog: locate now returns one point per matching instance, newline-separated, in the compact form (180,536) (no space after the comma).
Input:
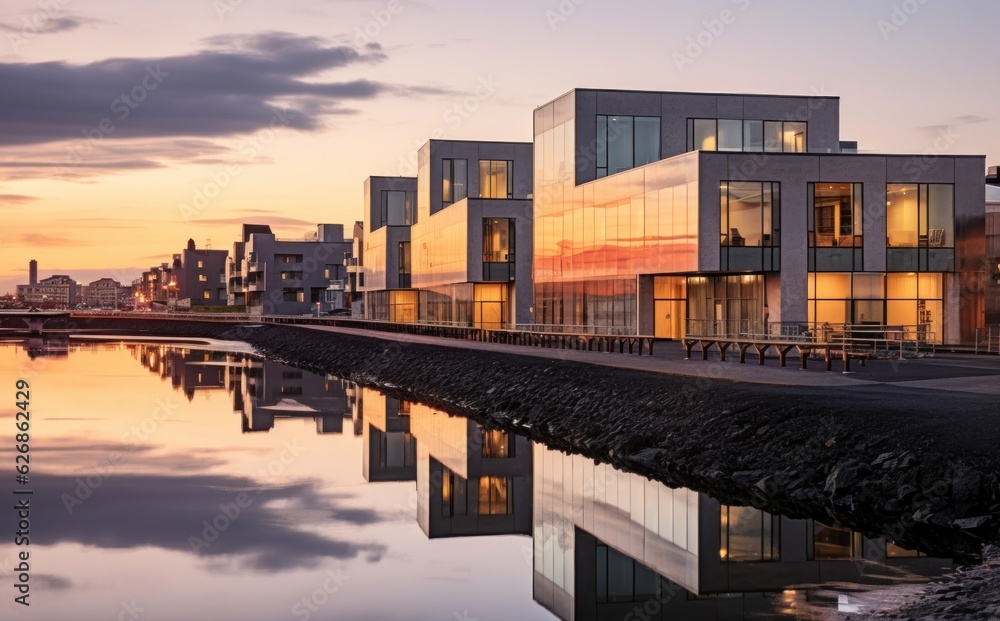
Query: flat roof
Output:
(699,93)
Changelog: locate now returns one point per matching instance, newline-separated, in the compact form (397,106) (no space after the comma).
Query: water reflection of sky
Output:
(127,469)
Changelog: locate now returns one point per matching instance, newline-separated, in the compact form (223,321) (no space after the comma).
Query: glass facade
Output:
(920,227)
(725,305)
(747,136)
(440,247)
(591,240)
(835,214)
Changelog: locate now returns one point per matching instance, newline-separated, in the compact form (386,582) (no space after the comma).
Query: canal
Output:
(176,482)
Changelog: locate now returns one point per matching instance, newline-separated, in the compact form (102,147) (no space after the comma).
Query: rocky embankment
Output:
(970,593)
(920,466)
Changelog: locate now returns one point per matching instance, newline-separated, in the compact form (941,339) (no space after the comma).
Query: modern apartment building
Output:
(289,276)
(684,213)
(451,246)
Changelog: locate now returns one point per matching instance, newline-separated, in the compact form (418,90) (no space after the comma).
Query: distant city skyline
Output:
(126,132)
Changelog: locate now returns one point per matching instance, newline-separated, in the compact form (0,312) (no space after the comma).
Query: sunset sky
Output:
(120,120)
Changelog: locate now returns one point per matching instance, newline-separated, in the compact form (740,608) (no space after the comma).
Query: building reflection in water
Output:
(470,480)
(262,391)
(49,346)
(606,544)
(609,543)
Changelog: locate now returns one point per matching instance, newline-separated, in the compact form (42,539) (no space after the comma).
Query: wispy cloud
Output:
(272,220)
(50,25)
(9,200)
(43,239)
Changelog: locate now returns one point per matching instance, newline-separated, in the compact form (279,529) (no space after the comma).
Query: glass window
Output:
(753,136)
(730,135)
(625,142)
(495,497)
(207,294)
(835,216)
(202,278)
(405,265)
(772,136)
(497,444)
(749,535)
(704,135)
(920,215)
(834,543)
(201,264)
(397,207)
(621,144)
(749,212)
(794,135)
(496,179)
(454,180)
(647,140)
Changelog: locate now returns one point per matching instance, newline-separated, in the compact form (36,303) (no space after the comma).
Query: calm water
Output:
(175,483)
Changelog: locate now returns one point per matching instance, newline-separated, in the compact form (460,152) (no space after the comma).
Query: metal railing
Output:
(901,339)
(988,340)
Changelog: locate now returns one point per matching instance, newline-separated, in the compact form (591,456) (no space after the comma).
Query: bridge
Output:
(35,320)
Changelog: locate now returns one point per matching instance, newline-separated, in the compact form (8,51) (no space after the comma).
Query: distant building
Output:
(103,293)
(236,290)
(355,271)
(292,276)
(59,291)
(158,284)
(202,276)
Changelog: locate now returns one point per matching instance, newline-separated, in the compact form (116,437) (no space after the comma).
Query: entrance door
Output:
(669,323)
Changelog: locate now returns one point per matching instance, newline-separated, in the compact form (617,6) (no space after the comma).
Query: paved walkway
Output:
(951,372)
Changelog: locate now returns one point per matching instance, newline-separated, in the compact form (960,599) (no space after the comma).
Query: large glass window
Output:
(920,215)
(496,179)
(749,535)
(750,136)
(833,543)
(454,494)
(625,142)
(750,213)
(920,227)
(454,175)
(835,215)
(398,207)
